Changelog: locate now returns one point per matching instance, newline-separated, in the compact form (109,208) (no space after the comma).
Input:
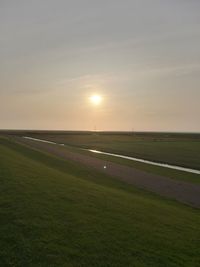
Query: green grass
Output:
(55,213)
(173,174)
(176,149)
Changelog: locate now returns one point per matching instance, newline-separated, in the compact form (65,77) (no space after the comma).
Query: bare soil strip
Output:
(184,192)
(164,165)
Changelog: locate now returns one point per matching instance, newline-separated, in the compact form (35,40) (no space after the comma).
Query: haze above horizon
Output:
(138,60)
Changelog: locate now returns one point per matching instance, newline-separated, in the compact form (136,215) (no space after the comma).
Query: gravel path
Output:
(185,192)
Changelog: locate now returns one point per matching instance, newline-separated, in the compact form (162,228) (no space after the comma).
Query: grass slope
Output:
(54,213)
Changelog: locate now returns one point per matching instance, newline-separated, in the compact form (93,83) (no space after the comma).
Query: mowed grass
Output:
(55,213)
(176,149)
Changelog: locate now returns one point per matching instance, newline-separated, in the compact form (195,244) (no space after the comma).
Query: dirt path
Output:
(187,193)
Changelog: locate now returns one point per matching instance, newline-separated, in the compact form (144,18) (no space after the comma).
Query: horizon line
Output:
(101,131)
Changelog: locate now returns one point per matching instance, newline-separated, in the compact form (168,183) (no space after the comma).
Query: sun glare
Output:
(96,99)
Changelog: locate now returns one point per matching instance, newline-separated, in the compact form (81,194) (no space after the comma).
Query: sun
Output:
(96,99)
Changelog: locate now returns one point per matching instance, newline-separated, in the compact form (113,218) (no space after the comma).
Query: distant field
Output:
(176,149)
(56,213)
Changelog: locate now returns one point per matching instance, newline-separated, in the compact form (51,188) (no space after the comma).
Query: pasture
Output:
(57,213)
(173,148)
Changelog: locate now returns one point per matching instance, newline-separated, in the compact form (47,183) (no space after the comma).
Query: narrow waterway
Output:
(165,165)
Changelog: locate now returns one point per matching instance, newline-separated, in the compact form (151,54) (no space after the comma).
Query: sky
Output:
(141,56)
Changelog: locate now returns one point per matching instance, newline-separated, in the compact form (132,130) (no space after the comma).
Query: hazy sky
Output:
(142,56)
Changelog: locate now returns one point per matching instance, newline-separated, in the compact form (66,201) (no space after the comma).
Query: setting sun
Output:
(96,99)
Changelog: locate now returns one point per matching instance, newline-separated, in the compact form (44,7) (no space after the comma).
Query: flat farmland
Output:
(172,148)
(55,212)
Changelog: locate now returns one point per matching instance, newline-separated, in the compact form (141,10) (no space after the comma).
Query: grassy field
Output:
(176,149)
(55,213)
